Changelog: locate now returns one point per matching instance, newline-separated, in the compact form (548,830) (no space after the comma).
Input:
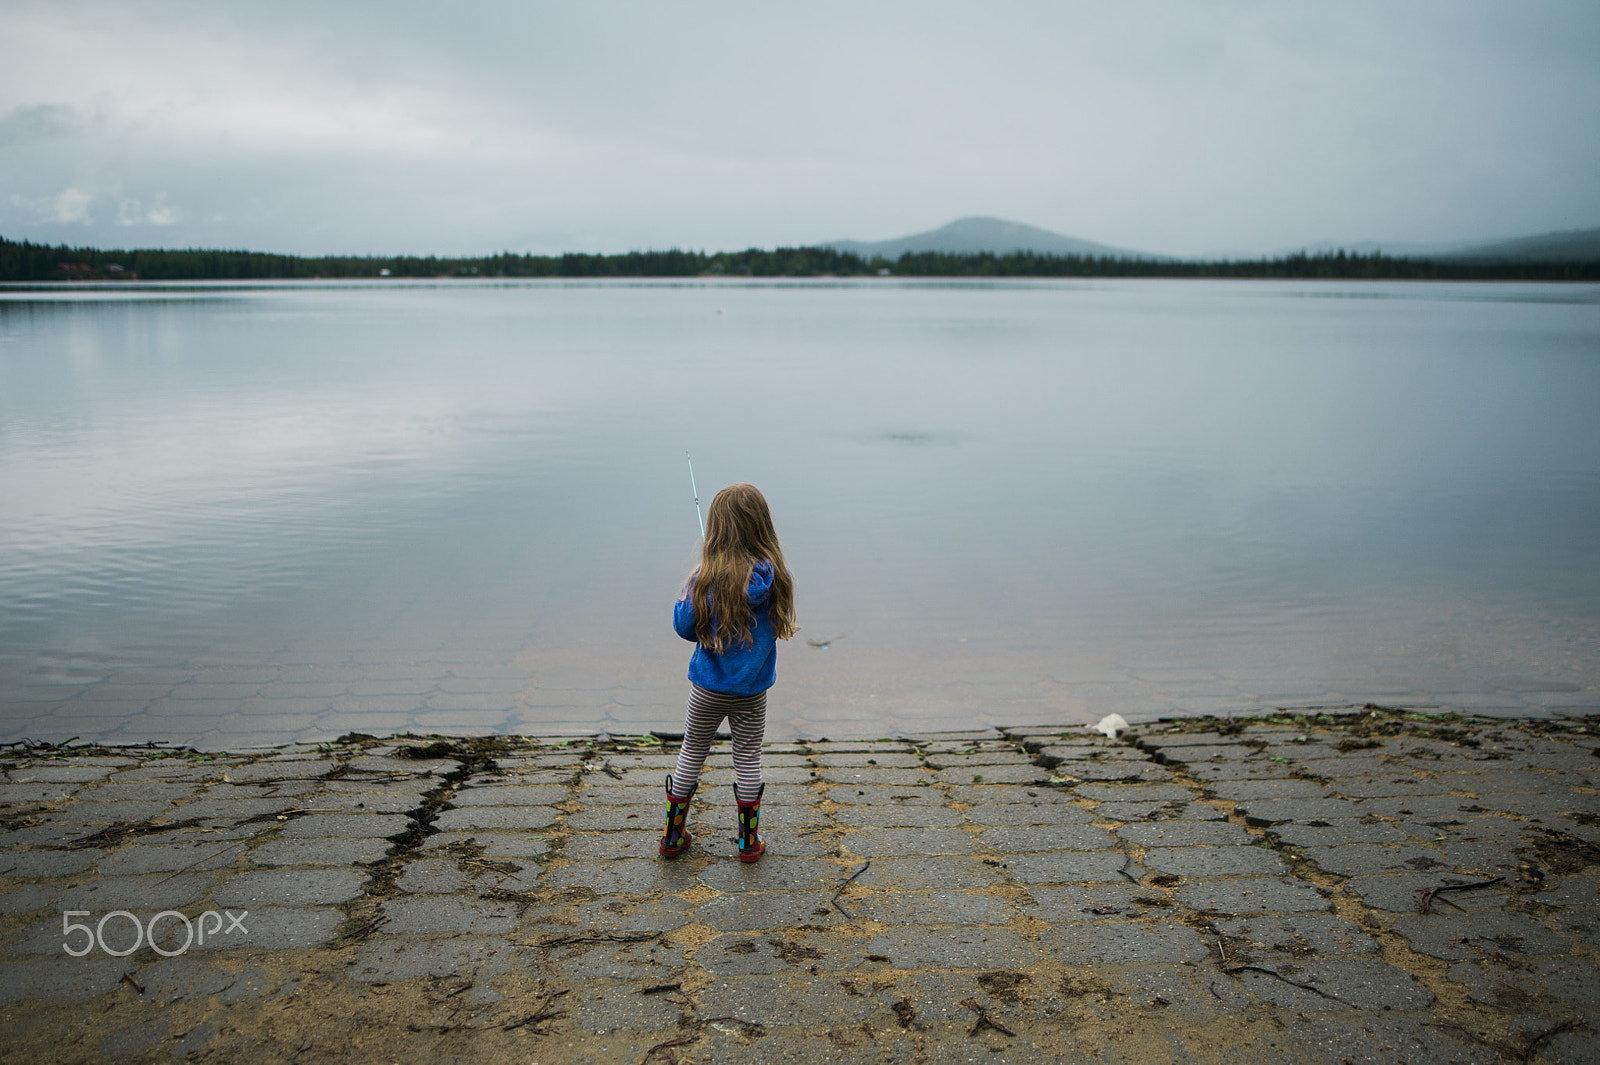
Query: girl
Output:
(736,605)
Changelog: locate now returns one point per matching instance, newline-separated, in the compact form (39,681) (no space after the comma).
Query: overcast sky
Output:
(1183,127)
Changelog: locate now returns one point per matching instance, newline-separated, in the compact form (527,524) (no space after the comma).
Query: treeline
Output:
(1327,265)
(25,261)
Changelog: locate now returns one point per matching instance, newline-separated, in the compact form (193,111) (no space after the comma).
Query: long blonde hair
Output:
(739,534)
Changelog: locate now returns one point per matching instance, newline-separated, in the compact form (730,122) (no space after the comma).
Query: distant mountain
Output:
(970,236)
(1566,246)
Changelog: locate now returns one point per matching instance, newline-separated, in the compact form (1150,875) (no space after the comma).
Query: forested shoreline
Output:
(23,261)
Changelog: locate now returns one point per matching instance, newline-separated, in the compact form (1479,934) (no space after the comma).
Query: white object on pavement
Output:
(1111,724)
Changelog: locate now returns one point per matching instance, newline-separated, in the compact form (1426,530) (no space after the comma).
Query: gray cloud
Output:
(1171,126)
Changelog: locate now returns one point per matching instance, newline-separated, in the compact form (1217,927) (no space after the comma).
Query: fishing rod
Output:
(696,492)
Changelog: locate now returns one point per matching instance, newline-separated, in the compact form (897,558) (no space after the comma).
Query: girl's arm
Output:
(683,610)
(683,619)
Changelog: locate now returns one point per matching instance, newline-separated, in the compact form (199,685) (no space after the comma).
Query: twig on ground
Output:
(984,1020)
(128,979)
(1533,1044)
(681,1041)
(1233,970)
(1431,894)
(596,937)
(114,833)
(368,928)
(207,858)
(521,899)
(656,989)
(540,1015)
(834,902)
(1127,860)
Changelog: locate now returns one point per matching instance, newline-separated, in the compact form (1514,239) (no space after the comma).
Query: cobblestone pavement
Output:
(1364,886)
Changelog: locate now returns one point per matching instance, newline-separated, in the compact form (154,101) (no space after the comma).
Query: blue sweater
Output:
(738,670)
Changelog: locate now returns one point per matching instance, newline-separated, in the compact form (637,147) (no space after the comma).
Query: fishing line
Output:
(696,492)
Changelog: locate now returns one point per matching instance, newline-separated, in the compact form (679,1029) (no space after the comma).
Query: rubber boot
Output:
(675,840)
(751,847)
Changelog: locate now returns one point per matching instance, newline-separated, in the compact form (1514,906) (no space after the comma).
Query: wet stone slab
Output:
(1294,935)
(772,874)
(1404,893)
(346,826)
(453,876)
(1008,840)
(885,759)
(448,915)
(169,858)
(896,816)
(1185,834)
(273,928)
(782,1000)
(513,845)
(1269,790)
(33,864)
(988,794)
(995,774)
(628,877)
(768,909)
(1069,868)
(1098,905)
(1184,991)
(1214,772)
(1110,771)
(1215,861)
(1252,895)
(1124,943)
(1336,984)
(602,845)
(935,908)
(1261,812)
(1158,811)
(97,814)
(390,961)
(543,795)
(1456,936)
(985,758)
(1159,793)
(908,842)
(741,954)
(1363,859)
(1338,833)
(1022,814)
(290,887)
(912,874)
(281,852)
(955,948)
(496,818)
(1054,756)
(1095,902)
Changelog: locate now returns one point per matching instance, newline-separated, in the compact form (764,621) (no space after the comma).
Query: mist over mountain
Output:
(975,235)
(1564,246)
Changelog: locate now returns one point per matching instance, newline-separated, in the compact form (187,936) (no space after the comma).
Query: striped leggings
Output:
(747,722)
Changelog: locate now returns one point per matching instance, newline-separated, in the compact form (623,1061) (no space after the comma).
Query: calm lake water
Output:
(234,515)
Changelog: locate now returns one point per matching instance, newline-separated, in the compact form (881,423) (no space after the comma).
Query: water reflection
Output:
(250,513)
